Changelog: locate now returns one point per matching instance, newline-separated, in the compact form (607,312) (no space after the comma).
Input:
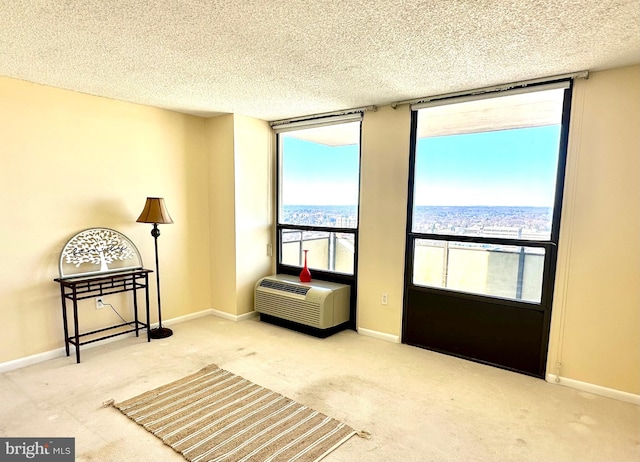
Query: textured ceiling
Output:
(277,59)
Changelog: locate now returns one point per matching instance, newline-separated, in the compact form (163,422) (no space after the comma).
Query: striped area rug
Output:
(214,415)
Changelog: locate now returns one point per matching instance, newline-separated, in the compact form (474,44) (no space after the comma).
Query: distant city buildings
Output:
(532,223)
(335,216)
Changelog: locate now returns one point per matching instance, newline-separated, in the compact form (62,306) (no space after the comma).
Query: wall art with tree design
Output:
(98,250)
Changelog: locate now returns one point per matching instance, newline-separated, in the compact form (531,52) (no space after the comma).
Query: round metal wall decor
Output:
(98,250)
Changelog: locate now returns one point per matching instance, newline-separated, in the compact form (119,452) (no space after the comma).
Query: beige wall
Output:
(596,319)
(71,161)
(220,145)
(254,198)
(241,197)
(383,198)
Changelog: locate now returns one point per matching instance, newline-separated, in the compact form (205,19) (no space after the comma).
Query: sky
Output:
(507,167)
(500,168)
(317,174)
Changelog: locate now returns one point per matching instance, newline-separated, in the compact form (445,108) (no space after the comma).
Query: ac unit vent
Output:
(284,287)
(318,304)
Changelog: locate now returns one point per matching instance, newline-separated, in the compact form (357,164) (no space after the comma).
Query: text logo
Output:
(37,449)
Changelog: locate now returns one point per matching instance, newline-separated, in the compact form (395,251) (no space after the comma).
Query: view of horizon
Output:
(525,222)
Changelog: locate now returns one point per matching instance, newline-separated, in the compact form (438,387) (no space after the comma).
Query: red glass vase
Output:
(305,274)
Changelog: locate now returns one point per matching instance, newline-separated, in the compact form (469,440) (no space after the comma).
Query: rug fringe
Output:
(108,403)
(364,434)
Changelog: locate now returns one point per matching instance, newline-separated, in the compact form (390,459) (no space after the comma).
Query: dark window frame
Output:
(332,276)
(544,307)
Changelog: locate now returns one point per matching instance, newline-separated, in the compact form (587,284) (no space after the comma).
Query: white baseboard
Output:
(59,352)
(186,317)
(595,389)
(233,317)
(379,335)
(30,360)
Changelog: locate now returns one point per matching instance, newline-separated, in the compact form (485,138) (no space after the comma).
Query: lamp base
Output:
(160,332)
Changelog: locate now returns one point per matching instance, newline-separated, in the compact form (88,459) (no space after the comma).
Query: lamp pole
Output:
(160,331)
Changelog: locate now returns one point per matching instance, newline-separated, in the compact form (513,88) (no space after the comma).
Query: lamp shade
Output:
(155,212)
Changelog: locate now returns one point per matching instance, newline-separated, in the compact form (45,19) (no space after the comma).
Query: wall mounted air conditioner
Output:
(318,304)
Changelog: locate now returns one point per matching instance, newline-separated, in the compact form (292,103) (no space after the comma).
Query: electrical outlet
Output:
(99,303)
(385,298)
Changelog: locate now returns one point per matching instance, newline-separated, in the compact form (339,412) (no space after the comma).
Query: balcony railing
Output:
(504,271)
(327,250)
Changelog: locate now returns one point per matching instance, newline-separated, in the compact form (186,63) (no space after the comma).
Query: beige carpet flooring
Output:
(417,405)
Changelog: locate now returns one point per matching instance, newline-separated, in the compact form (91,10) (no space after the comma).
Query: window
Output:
(505,271)
(319,180)
(484,191)
(486,178)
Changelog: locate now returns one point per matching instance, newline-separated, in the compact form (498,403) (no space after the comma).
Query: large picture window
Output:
(318,181)
(486,169)
(486,179)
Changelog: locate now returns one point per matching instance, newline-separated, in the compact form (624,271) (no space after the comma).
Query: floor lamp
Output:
(155,212)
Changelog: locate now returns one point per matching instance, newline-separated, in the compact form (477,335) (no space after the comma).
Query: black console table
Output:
(83,287)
